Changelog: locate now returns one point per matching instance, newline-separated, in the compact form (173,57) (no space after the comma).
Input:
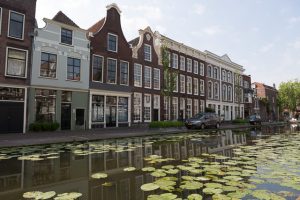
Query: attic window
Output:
(112,42)
(66,36)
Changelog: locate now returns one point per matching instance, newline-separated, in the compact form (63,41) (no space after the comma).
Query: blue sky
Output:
(261,35)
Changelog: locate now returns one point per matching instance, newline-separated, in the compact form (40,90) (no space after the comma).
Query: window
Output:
(97,68)
(14,94)
(137,110)
(216,73)
(246,84)
(174,113)
(224,93)
(209,71)
(189,65)
(48,65)
(196,106)
(112,42)
(175,83)
(182,108)
(97,108)
(201,69)
(166,108)
(16,62)
(175,61)
(182,83)
(241,80)
(210,90)
(223,75)
(229,77)
(156,79)
(196,67)
(123,109)
(202,106)
(137,75)
(182,63)
(147,53)
(147,77)
(189,108)
(216,90)
(202,87)
(73,72)
(16,25)
(147,107)
(156,102)
(111,71)
(196,88)
(45,105)
(66,36)
(0,19)
(189,85)
(124,75)
(229,93)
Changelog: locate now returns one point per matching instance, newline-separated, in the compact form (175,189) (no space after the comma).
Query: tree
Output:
(289,95)
(170,76)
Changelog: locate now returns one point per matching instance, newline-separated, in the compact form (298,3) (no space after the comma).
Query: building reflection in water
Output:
(71,173)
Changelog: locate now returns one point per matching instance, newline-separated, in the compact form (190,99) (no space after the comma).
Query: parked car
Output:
(255,119)
(203,120)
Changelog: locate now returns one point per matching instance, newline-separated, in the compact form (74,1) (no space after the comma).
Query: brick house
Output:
(248,96)
(17,23)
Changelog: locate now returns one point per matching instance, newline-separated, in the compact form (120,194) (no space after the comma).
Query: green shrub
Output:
(240,121)
(43,126)
(166,124)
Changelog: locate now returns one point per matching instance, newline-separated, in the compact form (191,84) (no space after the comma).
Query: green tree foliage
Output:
(289,95)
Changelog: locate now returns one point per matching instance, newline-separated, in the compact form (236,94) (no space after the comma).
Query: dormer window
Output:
(112,42)
(147,52)
(66,36)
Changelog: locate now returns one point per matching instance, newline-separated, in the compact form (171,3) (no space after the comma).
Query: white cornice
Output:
(114,5)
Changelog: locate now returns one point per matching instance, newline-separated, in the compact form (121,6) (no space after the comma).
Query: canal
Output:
(227,164)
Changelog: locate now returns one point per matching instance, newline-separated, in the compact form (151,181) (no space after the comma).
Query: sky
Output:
(261,35)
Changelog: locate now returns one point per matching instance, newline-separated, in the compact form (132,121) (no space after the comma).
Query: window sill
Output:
(11,76)
(70,45)
(51,78)
(15,38)
(73,80)
(112,51)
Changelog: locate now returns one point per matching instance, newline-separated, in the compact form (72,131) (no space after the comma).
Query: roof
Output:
(62,18)
(135,41)
(96,27)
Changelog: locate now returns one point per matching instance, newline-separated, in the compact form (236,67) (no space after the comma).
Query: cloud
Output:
(199,9)
(212,30)
(295,44)
(294,20)
(266,48)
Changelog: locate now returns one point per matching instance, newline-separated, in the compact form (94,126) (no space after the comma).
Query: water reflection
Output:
(76,162)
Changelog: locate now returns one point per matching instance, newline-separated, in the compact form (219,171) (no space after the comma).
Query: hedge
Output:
(166,124)
(240,121)
(43,126)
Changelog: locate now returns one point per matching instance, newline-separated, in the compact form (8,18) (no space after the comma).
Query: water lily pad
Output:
(165,196)
(99,175)
(129,169)
(191,185)
(149,187)
(194,197)
(212,190)
(68,196)
(148,169)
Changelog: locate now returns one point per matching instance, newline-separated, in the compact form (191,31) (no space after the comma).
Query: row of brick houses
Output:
(95,78)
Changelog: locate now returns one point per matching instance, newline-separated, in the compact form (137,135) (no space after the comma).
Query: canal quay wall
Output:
(34,138)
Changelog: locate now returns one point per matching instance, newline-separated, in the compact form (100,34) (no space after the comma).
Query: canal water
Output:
(227,164)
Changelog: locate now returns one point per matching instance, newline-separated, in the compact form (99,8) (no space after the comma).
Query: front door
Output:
(80,121)
(111,116)
(65,116)
(11,117)
(155,115)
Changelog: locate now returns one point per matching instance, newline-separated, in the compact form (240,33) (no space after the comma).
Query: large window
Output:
(210,90)
(16,62)
(66,36)
(224,92)
(216,73)
(196,86)
(0,19)
(45,105)
(166,108)
(175,61)
(137,110)
(111,71)
(189,65)
(73,69)
(229,80)
(147,53)
(174,113)
(216,90)
(156,79)
(182,83)
(14,94)
(189,108)
(147,107)
(112,42)
(147,77)
(123,109)
(223,75)
(182,108)
(182,63)
(209,71)
(137,75)
(189,83)
(175,83)
(202,87)
(229,93)
(196,106)
(48,65)
(202,106)
(16,25)
(124,74)
(201,69)
(196,67)
(97,68)
(97,108)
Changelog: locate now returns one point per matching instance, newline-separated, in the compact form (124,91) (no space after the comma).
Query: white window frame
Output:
(182,106)
(189,102)
(150,47)
(229,90)
(147,105)
(229,77)
(116,76)
(189,85)
(196,66)
(196,86)
(1,11)
(127,71)
(182,63)
(217,70)
(150,77)
(210,74)
(202,87)
(141,75)
(140,96)
(26,63)
(189,63)
(210,94)
(224,75)
(176,84)
(182,86)
(174,60)
(95,55)
(158,70)
(202,68)
(24,20)
(216,95)
(117,42)
(202,106)
(48,52)
(196,105)
(72,36)
(175,108)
